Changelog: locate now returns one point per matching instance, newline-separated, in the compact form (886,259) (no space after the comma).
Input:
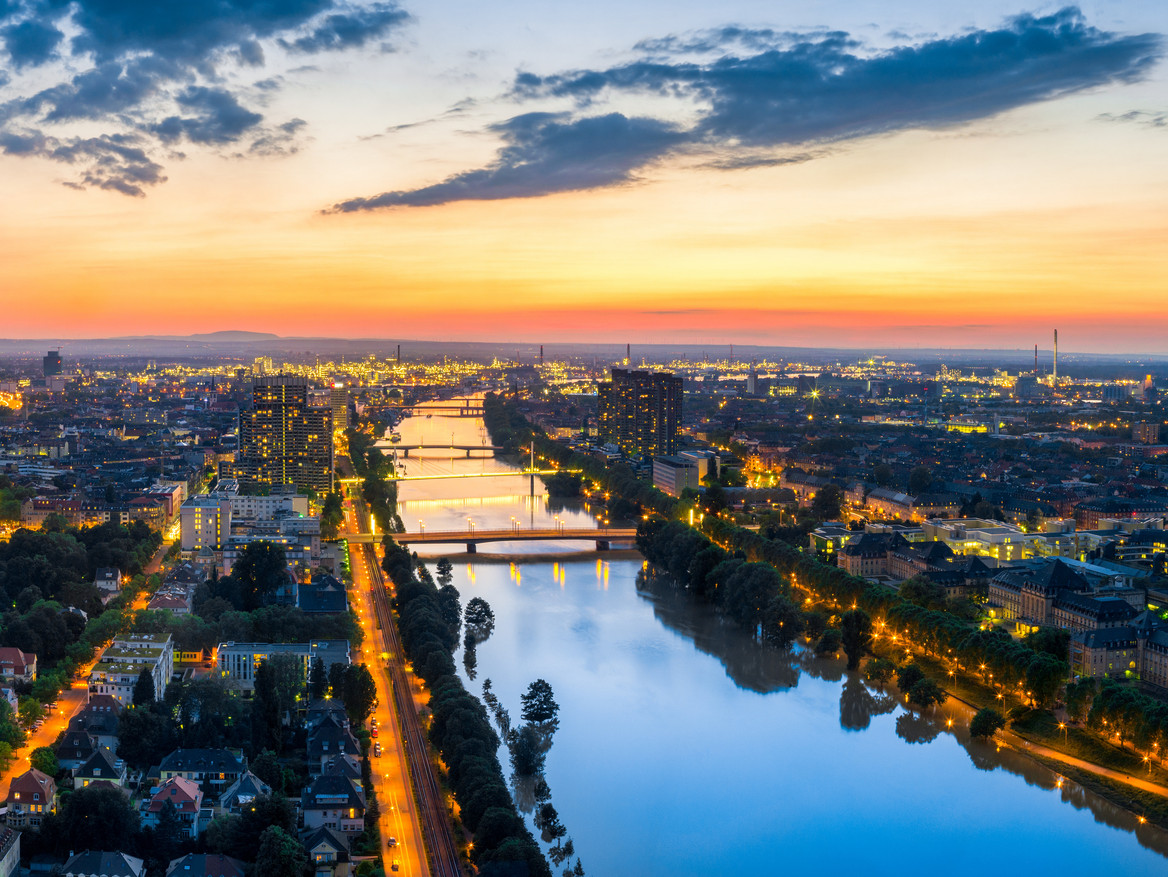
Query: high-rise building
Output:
(339,398)
(52,363)
(283,439)
(1145,432)
(640,412)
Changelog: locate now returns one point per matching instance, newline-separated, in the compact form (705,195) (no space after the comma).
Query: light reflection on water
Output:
(686,748)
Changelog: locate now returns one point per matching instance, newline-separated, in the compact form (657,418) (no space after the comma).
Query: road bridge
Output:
(511,474)
(406,448)
(473,537)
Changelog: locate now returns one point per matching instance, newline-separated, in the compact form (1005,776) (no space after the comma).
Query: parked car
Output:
(377,750)
(391,843)
(396,866)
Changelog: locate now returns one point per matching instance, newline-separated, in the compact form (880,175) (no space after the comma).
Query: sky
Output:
(844,173)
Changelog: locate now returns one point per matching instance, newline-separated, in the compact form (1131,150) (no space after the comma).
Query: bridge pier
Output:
(406,452)
(472,548)
(602,545)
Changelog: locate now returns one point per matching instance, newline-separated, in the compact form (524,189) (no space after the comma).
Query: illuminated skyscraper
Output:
(640,412)
(283,439)
(51,363)
(339,398)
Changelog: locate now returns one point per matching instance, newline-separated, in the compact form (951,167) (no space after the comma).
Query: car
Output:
(396,866)
(373,732)
(377,750)
(52,705)
(391,843)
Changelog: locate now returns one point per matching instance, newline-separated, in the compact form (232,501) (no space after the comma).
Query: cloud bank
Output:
(767,92)
(155,75)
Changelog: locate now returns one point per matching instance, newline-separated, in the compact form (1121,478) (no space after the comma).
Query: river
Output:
(686,748)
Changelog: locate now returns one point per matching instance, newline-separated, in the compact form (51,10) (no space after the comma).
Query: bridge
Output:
(511,474)
(472,538)
(469,408)
(399,446)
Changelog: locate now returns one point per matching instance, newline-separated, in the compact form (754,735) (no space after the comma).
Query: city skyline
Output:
(849,175)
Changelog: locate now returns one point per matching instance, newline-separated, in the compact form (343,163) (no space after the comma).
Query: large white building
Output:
(238,661)
(119,666)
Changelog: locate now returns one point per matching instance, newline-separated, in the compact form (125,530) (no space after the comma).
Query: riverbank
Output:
(1118,774)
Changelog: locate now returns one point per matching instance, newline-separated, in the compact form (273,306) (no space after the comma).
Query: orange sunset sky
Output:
(851,174)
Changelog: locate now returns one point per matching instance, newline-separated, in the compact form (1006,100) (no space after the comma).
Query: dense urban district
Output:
(220,657)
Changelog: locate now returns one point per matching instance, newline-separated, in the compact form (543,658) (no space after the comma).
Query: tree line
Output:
(461,730)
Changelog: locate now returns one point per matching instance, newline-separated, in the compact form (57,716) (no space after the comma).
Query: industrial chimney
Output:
(1054,376)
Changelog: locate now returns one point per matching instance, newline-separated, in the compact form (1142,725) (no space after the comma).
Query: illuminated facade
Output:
(283,439)
(640,411)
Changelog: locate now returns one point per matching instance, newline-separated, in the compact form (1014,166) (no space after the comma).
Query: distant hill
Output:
(233,335)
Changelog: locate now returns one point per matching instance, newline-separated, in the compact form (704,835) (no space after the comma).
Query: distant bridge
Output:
(399,446)
(469,408)
(466,475)
(472,538)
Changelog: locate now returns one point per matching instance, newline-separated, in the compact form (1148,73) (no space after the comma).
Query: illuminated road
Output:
(73,699)
(390,771)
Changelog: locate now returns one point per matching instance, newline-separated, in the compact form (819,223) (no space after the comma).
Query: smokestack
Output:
(1036,359)
(399,354)
(1054,376)
(628,354)
(541,354)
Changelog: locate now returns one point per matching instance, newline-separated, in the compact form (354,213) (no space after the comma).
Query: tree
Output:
(167,835)
(1054,641)
(445,570)
(359,693)
(267,767)
(98,819)
(527,752)
(828,503)
(29,709)
(883,475)
(317,679)
(856,635)
(879,672)
(279,855)
(479,618)
(920,480)
(923,591)
(144,688)
(261,569)
(926,693)
(145,737)
(448,602)
(332,516)
(539,703)
(986,723)
(908,676)
(44,759)
(830,642)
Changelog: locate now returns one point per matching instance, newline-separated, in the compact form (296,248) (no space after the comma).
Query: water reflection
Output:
(858,704)
(758,667)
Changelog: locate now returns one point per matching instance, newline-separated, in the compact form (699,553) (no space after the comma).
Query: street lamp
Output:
(422,526)
(470,524)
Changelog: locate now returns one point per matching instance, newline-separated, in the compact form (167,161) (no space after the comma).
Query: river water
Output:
(686,748)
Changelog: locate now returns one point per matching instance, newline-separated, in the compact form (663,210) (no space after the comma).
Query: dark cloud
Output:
(30,43)
(351,29)
(545,154)
(823,90)
(746,161)
(157,73)
(791,92)
(218,118)
(187,31)
(1148,118)
(113,162)
(281,140)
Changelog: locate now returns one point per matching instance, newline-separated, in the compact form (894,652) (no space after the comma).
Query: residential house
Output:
(75,748)
(99,719)
(9,851)
(324,595)
(117,670)
(335,802)
(102,765)
(103,864)
(242,792)
(108,581)
(17,665)
(206,865)
(214,769)
(328,739)
(328,851)
(187,798)
(30,796)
